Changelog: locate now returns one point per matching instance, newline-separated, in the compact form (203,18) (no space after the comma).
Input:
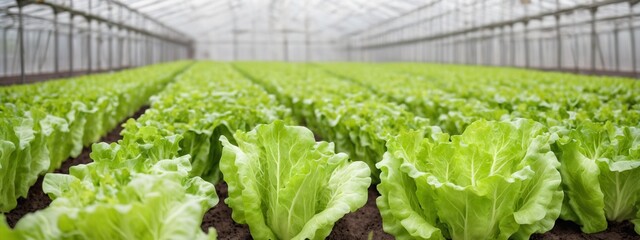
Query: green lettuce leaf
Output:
(600,169)
(497,180)
(23,157)
(160,201)
(284,185)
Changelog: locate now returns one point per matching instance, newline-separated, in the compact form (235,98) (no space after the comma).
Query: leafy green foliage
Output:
(352,117)
(284,185)
(155,183)
(45,123)
(600,169)
(497,180)
(453,97)
(120,198)
(208,101)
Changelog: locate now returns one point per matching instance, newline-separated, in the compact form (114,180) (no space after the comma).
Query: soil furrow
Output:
(37,199)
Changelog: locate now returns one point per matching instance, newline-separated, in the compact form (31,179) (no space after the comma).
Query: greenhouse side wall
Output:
(596,38)
(53,39)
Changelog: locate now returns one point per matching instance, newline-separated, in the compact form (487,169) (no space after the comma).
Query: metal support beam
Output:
(110,55)
(98,18)
(632,34)
(540,52)
(89,57)
(5,54)
(616,47)
(56,42)
(558,37)
(503,44)
(234,32)
(390,20)
(576,54)
(513,46)
(306,36)
(594,38)
(496,25)
(70,42)
(558,43)
(21,33)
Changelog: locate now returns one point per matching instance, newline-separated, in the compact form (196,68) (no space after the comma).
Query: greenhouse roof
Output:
(206,20)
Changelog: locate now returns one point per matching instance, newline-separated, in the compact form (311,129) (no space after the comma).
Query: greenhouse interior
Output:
(319,119)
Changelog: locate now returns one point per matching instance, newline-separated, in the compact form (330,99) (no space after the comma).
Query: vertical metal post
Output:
(149,50)
(558,37)
(576,53)
(616,48)
(110,42)
(5,54)
(465,51)
(594,39)
(99,40)
(235,44)
(441,48)
(306,36)
(70,44)
(558,43)
(144,50)
(234,32)
(120,39)
(130,47)
(540,52)
(121,50)
(513,45)
(110,56)
(490,47)
(137,52)
(632,34)
(89,40)
(253,39)
(285,40)
(526,44)
(56,40)
(37,50)
(502,47)
(21,33)
(161,51)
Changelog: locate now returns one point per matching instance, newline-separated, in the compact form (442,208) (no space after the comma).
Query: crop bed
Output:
(322,151)
(367,220)
(37,199)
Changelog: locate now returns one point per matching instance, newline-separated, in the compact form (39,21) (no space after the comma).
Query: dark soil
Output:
(565,230)
(361,223)
(219,217)
(356,225)
(37,199)
(366,220)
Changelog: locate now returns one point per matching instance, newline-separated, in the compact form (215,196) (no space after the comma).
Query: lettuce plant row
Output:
(43,124)
(357,120)
(208,101)
(456,152)
(148,186)
(518,167)
(596,122)
(453,96)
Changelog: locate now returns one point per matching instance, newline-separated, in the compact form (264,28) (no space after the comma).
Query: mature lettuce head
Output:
(284,185)
(497,180)
(601,175)
(117,197)
(23,157)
